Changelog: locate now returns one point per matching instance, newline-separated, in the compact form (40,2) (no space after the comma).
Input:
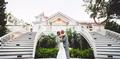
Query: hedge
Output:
(46,52)
(77,53)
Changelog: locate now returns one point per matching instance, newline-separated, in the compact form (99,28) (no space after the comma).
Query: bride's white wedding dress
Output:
(61,53)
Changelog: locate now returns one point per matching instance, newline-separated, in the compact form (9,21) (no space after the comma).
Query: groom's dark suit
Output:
(66,43)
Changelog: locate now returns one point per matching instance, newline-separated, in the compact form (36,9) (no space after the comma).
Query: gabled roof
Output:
(59,13)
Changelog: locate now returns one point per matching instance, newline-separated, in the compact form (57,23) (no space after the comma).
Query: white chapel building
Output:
(59,21)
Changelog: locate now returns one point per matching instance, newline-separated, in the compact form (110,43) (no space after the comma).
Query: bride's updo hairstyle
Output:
(58,33)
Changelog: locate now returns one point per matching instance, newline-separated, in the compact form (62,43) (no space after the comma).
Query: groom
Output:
(65,43)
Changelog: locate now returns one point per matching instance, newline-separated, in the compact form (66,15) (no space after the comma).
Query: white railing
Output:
(89,39)
(113,35)
(37,37)
(7,37)
(60,27)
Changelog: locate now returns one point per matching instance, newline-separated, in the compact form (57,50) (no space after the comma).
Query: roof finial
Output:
(42,14)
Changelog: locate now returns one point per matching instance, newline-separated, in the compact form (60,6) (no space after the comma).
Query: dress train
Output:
(61,53)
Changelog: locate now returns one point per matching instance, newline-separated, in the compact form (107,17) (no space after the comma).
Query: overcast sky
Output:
(28,9)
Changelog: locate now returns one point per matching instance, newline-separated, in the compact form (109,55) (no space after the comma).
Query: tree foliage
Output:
(103,9)
(3,29)
(2,12)
(113,26)
(114,8)
(97,9)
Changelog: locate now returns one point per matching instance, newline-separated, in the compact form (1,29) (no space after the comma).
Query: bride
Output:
(61,53)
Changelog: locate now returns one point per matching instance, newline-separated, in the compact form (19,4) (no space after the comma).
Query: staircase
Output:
(21,46)
(106,47)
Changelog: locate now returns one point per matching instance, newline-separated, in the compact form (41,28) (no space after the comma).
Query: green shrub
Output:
(46,52)
(3,30)
(47,41)
(77,53)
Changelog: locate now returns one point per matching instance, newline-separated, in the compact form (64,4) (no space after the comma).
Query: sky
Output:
(28,9)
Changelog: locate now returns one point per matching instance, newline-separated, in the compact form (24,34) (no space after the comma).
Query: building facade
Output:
(60,21)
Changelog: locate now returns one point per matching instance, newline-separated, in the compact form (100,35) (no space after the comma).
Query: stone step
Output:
(105,41)
(16,47)
(15,57)
(15,53)
(23,40)
(108,53)
(106,57)
(27,41)
(108,50)
(101,56)
(15,50)
(107,45)
(19,43)
(24,37)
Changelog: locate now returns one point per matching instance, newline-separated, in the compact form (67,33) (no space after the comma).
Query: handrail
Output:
(37,36)
(89,39)
(113,35)
(7,37)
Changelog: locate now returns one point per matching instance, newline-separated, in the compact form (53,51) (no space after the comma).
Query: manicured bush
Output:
(77,53)
(46,53)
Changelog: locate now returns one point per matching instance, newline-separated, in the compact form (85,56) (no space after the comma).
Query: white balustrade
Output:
(8,37)
(37,37)
(89,39)
(113,35)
